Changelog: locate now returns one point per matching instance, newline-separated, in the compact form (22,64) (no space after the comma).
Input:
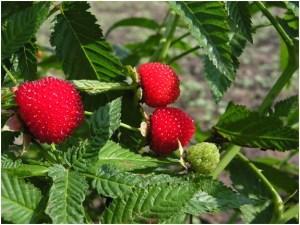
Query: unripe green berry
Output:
(203,157)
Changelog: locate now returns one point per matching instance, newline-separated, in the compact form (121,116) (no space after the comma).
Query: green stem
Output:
(288,41)
(292,64)
(180,38)
(10,75)
(87,113)
(128,127)
(124,125)
(162,51)
(255,28)
(183,54)
(277,201)
(229,154)
(278,86)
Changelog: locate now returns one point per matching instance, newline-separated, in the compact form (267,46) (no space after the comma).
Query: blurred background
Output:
(259,66)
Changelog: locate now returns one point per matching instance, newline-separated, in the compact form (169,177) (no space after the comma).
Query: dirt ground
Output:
(259,68)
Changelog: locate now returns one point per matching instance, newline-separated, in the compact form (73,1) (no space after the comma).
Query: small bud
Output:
(144,128)
(203,157)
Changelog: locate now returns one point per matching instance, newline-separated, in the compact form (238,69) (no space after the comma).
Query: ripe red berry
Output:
(159,83)
(167,125)
(50,107)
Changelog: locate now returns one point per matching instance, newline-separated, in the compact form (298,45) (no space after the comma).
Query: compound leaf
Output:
(81,47)
(243,179)
(66,196)
(103,123)
(208,24)
(124,159)
(166,201)
(7,162)
(247,128)
(94,87)
(28,61)
(113,183)
(19,200)
(287,110)
(240,15)
(21,26)
(217,82)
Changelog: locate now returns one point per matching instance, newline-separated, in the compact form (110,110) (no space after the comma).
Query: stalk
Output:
(276,199)
(166,41)
(229,154)
(292,64)
(183,54)
(10,75)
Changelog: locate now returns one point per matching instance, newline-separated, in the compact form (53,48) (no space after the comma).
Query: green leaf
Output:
(124,159)
(207,22)
(134,21)
(216,79)
(240,15)
(27,61)
(103,123)
(277,163)
(260,211)
(94,87)
(81,47)
(163,202)
(238,43)
(75,153)
(290,23)
(66,196)
(113,183)
(246,128)
(217,82)
(288,110)
(7,162)
(8,8)
(21,26)
(281,180)
(213,196)
(19,200)
(132,114)
(27,170)
(293,6)
(149,205)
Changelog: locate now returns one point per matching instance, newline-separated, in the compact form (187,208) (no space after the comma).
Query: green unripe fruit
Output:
(203,157)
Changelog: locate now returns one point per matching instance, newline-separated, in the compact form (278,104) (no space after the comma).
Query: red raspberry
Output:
(160,84)
(50,107)
(167,125)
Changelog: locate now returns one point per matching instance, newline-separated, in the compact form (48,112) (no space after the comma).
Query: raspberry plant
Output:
(104,169)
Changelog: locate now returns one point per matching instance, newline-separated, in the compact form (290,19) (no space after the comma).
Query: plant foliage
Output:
(251,129)
(106,171)
(81,47)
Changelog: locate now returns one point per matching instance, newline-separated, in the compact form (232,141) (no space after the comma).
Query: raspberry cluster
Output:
(168,125)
